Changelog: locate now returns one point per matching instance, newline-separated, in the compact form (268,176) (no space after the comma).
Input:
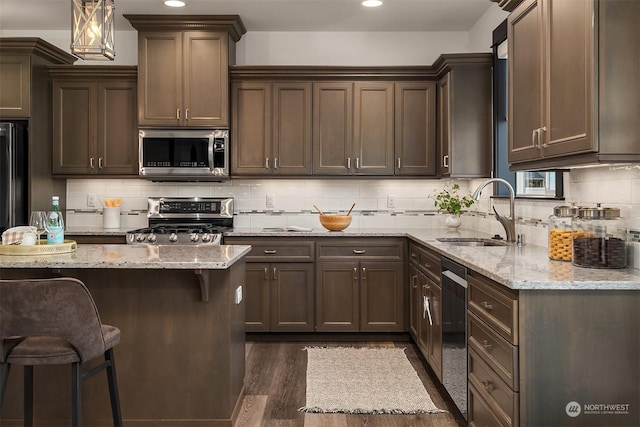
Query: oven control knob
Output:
(206,238)
(152,238)
(195,237)
(173,238)
(140,238)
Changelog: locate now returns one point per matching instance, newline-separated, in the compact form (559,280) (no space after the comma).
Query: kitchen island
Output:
(180,360)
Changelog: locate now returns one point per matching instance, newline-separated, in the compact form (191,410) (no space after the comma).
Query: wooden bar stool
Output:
(54,322)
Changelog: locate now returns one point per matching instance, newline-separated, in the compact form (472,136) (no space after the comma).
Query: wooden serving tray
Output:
(42,249)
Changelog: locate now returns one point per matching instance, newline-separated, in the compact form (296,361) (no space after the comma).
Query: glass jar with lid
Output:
(599,238)
(560,232)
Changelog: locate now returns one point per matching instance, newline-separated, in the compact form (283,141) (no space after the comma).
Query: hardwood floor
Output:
(275,384)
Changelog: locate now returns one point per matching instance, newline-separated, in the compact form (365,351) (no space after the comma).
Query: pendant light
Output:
(93,29)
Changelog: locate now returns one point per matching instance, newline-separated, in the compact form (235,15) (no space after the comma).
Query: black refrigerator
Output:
(14,184)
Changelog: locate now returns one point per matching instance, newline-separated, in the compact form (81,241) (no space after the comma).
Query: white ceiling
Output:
(269,15)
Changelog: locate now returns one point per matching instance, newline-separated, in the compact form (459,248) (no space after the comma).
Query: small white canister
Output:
(111,217)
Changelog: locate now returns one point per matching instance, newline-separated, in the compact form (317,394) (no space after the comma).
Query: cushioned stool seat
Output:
(54,322)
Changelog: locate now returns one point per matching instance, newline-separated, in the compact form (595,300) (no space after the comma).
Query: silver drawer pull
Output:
(269,251)
(414,255)
(426,264)
(486,306)
(487,346)
(488,385)
(359,251)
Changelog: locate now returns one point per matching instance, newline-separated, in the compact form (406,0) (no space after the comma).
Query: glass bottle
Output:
(599,238)
(55,223)
(560,232)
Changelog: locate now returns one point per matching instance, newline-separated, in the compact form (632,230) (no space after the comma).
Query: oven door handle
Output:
(457,279)
(426,309)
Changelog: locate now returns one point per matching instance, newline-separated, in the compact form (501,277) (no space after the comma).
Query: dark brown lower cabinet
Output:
(415,302)
(279,297)
(360,296)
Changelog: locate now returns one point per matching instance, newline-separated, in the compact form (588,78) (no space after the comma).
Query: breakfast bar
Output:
(181,313)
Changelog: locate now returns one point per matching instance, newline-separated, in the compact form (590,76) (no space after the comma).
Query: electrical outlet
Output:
(271,203)
(91,200)
(391,201)
(238,295)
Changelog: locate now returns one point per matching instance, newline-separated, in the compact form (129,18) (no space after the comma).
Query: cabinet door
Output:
(444,123)
(337,304)
(382,296)
(160,78)
(525,81)
(15,86)
(292,105)
(415,128)
(415,302)
(332,128)
(74,124)
(434,356)
(292,297)
(569,78)
(251,130)
(117,142)
(257,297)
(205,58)
(373,117)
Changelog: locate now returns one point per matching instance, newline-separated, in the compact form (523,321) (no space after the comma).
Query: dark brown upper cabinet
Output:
(271,125)
(573,83)
(415,128)
(464,115)
(94,120)
(183,65)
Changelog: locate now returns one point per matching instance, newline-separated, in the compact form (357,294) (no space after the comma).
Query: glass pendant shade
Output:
(92,30)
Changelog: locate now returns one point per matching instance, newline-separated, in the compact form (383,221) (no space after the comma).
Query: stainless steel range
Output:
(184,221)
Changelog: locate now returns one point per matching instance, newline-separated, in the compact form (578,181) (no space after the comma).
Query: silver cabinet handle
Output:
(445,161)
(99,162)
(364,273)
(359,251)
(488,385)
(414,279)
(355,274)
(357,162)
(91,165)
(486,306)
(541,136)
(348,162)
(186,114)
(275,163)
(487,346)
(266,163)
(270,251)
(398,162)
(266,274)
(275,273)
(534,140)
(177,114)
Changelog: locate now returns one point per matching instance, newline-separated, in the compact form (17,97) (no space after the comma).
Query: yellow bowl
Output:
(335,222)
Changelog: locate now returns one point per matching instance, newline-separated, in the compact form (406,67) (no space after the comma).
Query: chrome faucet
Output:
(509,224)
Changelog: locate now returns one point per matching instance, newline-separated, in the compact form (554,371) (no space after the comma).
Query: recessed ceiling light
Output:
(174,3)
(371,3)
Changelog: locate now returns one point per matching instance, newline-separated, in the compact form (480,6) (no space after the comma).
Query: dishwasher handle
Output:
(453,276)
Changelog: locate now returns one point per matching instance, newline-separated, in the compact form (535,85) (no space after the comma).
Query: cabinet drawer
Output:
(426,261)
(501,356)
(494,304)
(495,392)
(275,249)
(338,249)
(481,414)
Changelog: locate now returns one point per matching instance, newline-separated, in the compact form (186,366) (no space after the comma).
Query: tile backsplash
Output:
(380,203)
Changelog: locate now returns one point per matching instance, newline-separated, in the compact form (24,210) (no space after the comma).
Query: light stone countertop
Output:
(525,267)
(206,257)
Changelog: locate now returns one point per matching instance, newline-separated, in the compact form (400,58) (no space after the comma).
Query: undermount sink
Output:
(471,241)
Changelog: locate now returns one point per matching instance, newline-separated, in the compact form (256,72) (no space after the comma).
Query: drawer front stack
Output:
(493,353)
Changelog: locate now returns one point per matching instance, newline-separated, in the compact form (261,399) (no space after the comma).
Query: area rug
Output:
(364,381)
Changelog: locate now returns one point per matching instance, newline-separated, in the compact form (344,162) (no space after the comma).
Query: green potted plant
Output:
(448,200)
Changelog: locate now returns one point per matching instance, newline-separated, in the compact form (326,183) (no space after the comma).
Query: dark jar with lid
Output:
(561,233)
(599,238)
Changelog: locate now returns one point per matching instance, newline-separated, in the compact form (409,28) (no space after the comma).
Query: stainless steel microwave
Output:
(184,154)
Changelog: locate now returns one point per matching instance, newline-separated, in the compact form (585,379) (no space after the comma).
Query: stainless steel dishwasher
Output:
(454,332)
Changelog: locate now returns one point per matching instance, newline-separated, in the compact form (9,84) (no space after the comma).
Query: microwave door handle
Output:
(210,151)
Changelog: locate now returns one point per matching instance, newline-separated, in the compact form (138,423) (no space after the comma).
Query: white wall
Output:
(480,35)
